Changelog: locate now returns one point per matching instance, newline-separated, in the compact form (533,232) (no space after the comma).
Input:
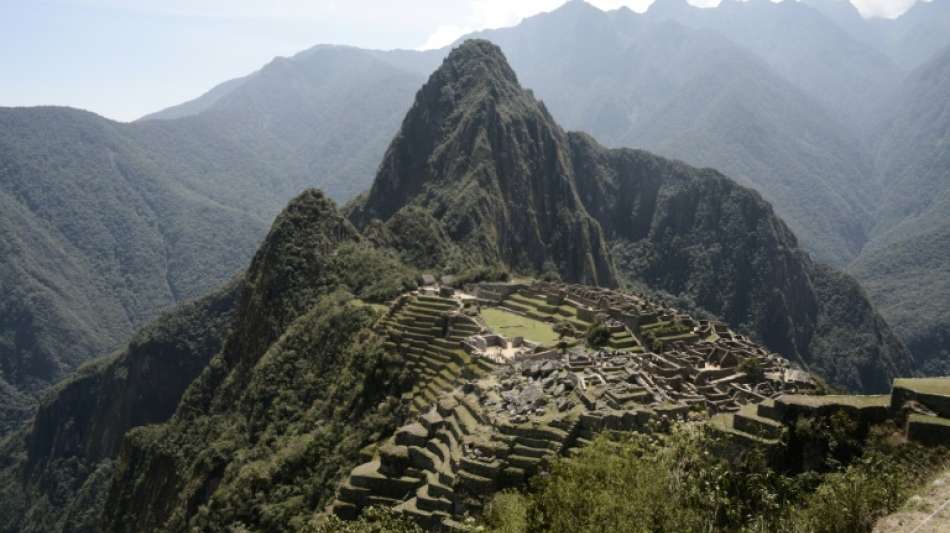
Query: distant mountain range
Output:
(105,224)
(289,379)
(803,101)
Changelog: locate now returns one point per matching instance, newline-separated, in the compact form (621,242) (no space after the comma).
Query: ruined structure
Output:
(490,410)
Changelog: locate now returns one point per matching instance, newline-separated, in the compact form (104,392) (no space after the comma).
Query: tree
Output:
(598,336)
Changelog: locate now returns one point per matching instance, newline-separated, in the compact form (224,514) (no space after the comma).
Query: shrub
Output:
(373,520)
(680,482)
(752,367)
(598,336)
(508,513)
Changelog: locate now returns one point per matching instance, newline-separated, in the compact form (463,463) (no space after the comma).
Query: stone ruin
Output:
(487,411)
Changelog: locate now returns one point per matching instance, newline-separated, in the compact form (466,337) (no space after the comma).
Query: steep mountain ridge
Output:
(673,227)
(905,267)
(56,473)
(481,152)
(300,386)
(108,224)
(635,84)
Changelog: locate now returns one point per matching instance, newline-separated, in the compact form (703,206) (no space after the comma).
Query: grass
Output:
(933,420)
(512,325)
(939,386)
(850,400)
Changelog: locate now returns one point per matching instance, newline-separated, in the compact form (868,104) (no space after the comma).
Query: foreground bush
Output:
(677,483)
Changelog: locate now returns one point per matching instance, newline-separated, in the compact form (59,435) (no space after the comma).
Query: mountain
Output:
(918,35)
(301,385)
(473,146)
(906,266)
(481,159)
(101,231)
(804,46)
(322,117)
(55,475)
(107,224)
(298,379)
(692,94)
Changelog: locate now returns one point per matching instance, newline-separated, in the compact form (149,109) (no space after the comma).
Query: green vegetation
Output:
(681,482)
(106,225)
(372,520)
(511,325)
(925,385)
(300,387)
(598,336)
(565,328)
(753,369)
(56,476)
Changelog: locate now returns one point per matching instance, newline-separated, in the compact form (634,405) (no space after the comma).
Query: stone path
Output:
(927,512)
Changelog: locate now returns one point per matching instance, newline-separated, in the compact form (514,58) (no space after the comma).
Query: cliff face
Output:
(486,159)
(59,469)
(481,159)
(696,233)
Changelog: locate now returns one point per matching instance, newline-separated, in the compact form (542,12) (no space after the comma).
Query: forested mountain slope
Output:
(98,236)
(906,267)
(55,474)
(106,224)
(646,81)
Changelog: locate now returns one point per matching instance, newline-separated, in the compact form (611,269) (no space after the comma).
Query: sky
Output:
(126,58)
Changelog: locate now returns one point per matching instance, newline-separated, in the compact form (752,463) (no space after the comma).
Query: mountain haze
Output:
(906,267)
(107,224)
(653,83)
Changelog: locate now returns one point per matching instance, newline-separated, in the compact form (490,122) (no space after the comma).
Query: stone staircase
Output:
(428,330)
(449,461)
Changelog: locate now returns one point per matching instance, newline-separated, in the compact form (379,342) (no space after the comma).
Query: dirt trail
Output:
(926,512)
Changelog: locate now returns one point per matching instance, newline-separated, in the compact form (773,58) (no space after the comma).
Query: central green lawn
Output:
(939,386)
(512,325)
(859,401)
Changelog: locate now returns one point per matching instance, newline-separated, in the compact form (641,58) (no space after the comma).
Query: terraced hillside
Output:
(427,331)
(490,411)
(481,426)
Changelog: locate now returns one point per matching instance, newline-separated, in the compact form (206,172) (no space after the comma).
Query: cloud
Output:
(477,15)
(636,5)
(444,36)
(867,8)
(883,8)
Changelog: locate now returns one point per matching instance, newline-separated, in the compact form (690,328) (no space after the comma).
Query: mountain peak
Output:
(480,155)
(471,97)
(475,63)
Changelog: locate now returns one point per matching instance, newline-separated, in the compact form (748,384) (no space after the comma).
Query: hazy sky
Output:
(125,58)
